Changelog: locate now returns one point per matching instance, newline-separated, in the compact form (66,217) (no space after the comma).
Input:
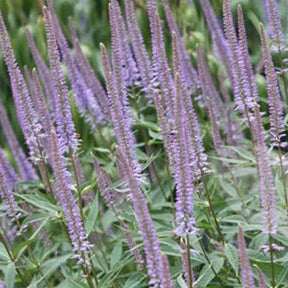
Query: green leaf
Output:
(181,282)
(51,265)
(147,124)
(89,187)
(232,256)
(207,274)
(40,202)
(116,254)
(3,253)
(242,153)
(228,188)
(134,280)
(92,216)
(9,278)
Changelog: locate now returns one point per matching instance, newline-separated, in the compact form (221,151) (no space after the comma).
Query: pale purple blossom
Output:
(245,266)
(63,116)
(66,199)
(276,117)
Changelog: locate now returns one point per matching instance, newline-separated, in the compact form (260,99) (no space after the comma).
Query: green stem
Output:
(212,208)
(209,262)
(189,263)
(271,261)
(12,259)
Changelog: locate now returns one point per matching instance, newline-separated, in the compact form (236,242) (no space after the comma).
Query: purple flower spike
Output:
(276,117)
(185,266)
(128,61)
(40,102)
(42,69)
(85,100)
(243,50)
(66,199)
(63,116)
(209,92)
(120,116)
(166,273)
(261,280)
(241,86)
(245,267)
(191,76)
(151,244)
(266,178)
(120,68)
(25,111)
(26,170)
(183,172)
(11,176)
(7,195)
(132,170)
(138,46)
(162,73)
(197,156)
(272,13)
(88,74)
(218,38)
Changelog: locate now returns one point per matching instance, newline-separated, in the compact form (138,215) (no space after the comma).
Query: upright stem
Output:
(209,262)
(271,261)
(78,185)
(12,259)
(212,209)
(30,251)
(189,264)
(283,178)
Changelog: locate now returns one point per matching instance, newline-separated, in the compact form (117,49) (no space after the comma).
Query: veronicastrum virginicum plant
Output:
(169,169)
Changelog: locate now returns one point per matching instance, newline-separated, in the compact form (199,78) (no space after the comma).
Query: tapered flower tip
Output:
(103,48)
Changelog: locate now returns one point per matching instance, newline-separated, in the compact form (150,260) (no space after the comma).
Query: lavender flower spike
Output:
(26,170)
(85,100)
(63,116)
(244,97)
(125,138)
(10,173)
(161,69)
(245,60)
(220,43)
(25,111)
(266,179)
(42,69)
(184,177)
(191,76)
(88,74)
(185,267)
(137,42)
(7,195)
(64,194)
(261,280)
(272,13)
(194,140)
(166,273)
(154,260)
(276,117)
(209,92)
(120,116)
(246,270)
